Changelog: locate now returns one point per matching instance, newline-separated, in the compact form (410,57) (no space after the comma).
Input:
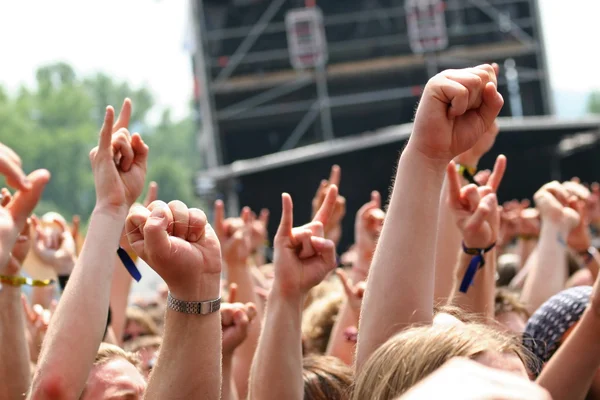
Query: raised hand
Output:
(303,257)
(10,168)
(457,108)
(234,235)
(118,162)
(63,255)
(180,245)
(476,208)
(580,238)
(14,215)
(552,202)
(258,229)
(235,319)
(354,292)
(368,224)
(333,228)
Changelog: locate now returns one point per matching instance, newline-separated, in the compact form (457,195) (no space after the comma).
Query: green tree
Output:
(55,125)
(593,104)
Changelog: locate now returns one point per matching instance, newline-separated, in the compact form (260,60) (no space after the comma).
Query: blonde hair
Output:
(317,322)
(329,285)
(507,301)
(108,352)
(326,378)
(415,353)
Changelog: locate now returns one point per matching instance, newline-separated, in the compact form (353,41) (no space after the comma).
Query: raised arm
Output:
(180,245)
(456,109)
(448,235)
(547,266)
(302,260)
(367,227)
(15,368)
(82,312)
(235,237)
(478,219)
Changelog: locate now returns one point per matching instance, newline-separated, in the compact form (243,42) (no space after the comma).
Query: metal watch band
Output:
(194,307)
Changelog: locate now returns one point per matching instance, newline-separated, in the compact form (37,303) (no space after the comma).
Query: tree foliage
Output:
(55,125)
(593,104)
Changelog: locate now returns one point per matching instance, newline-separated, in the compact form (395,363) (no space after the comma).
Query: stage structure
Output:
(277,75)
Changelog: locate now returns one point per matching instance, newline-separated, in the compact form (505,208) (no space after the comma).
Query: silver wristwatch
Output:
(194,307)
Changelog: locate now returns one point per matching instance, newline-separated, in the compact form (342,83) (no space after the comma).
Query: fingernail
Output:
(26,182)
(158,212)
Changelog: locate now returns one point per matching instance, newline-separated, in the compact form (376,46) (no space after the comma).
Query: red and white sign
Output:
(306,38)
(426,24)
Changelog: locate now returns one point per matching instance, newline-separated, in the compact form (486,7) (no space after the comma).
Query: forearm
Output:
(229,391)
(338,345)
(401,280)
(189,362)
(569,373)
(525,248)
(479,298)
(281,369)
(81,313)
(549,273)
(14,367)
(446,256)
(119,296)
(241,275)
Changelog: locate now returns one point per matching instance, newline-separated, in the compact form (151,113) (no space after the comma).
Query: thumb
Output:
(24,202)
(345,281)
(156,237)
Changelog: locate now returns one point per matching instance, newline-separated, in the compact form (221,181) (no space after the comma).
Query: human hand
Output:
(456,109)
(367,226)
(180,245)
(235,320)
(10,168)
(552,200)
(580,238)
(258,230)
(14,212)
(62,255)
(354,292)
(333,229)
(593,204)
(23,244)
(476,208)
(302,256)
(235,235)
(119,162)
(151,195)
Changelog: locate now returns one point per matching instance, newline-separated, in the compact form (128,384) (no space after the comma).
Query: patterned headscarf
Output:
(548,324)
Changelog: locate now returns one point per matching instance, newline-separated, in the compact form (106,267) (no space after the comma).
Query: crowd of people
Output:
(444,293)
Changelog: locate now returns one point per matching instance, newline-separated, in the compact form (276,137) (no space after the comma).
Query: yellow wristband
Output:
(133,256)
(21,280)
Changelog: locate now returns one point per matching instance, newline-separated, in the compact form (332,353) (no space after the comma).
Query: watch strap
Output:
(193,307)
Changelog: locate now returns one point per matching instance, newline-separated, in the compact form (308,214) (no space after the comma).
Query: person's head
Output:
(329,285)
(138,323)
(415,353)
(510,312)
(146,349)
(317,323)
(326,378)
(114,376)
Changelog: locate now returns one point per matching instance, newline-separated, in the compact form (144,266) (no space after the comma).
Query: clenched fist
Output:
(457,108)
(180,245)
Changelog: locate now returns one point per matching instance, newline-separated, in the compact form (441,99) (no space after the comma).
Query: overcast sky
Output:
(142,41)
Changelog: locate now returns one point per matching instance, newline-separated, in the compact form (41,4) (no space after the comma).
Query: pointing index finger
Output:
(124,115)
(327,207)
(335,175)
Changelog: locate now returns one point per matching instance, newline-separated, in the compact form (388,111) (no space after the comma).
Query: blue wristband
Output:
(477,262)
(129,264)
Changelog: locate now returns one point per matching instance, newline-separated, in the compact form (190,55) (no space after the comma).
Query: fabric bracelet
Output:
(477,262)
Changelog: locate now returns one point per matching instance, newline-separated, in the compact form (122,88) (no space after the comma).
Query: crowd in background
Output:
(445,293)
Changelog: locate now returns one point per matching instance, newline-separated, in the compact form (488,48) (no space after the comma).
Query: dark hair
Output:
(326,378)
